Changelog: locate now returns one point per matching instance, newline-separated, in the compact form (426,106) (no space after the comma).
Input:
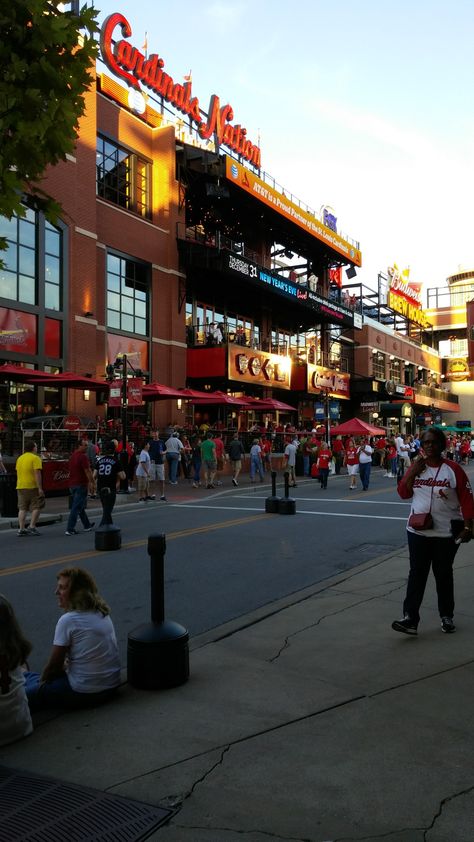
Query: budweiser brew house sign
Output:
(139,70)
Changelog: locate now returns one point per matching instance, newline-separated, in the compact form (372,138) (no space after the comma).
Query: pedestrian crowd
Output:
(83,667)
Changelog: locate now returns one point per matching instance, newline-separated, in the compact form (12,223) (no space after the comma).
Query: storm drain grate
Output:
(37,809)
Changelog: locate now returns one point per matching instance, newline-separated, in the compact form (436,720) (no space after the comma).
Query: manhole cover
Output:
(40,809)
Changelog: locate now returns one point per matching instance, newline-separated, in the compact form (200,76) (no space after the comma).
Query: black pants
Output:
(424,553)
(107,496)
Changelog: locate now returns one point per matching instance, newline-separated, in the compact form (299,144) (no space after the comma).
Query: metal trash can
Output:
(8,498)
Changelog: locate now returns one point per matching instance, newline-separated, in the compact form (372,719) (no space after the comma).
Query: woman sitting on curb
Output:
(84,666)
(15,717)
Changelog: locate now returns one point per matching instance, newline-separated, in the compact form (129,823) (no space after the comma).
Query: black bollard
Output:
(158,652)
(286,505)
(107,536)
(271,503)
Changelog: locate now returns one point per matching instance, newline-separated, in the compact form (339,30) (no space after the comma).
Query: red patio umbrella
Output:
(220,399)
(20,374)
(269,404)
(71,380)
(160,392)
(189,394)
(356,427)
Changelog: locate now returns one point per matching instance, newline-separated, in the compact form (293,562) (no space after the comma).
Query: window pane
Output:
(26,263)
(127,323)
(113,283)
(113,301)
(140,309)
(10,257)
(127,304)
(113,264)
(140,326)
(7,285)
(27,234)
(51,297)
(51,267)
(26,289)
(52,240)
(8,227)
(113,319)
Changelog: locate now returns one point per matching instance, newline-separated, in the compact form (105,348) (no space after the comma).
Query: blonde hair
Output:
(14,647)
(83,593)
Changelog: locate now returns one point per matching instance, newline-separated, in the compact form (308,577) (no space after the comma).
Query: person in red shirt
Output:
(338,453)
(220,456)
(324,458)
(391,459)
(351,461)
(80,481)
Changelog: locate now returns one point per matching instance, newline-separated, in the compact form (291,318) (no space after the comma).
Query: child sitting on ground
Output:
(15,717)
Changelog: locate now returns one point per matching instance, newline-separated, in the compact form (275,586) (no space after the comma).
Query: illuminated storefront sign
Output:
(399,283)
(458,369)
(138,70)
(253,272)
(336,384)
(406,308)
(258,188)
(258,367)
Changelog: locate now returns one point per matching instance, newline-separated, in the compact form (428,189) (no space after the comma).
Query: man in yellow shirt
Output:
(29,488)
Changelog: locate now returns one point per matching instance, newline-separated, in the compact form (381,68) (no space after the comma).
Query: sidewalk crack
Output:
(177,801)
(316,623)
(442,804)
(266,833)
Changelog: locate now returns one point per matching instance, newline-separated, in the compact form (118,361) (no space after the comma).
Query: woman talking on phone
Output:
(441,518)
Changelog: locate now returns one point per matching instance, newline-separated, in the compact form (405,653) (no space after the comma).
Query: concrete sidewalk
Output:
(307,720)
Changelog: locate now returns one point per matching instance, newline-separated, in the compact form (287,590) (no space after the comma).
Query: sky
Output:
(366,107)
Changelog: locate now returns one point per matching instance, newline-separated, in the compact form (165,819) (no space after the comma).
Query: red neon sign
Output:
(125,61)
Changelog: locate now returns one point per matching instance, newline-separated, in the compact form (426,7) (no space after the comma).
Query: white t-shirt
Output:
(144,457)
(365,457)
(290,452)
(93,659)
(15,718)
(445,502)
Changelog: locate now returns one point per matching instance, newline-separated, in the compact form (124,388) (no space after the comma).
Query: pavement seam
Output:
(227,746)
(421,678)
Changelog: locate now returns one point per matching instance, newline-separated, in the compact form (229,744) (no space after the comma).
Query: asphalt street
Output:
(225,557)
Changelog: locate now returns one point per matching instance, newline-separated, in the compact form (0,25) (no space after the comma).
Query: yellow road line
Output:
(70,559)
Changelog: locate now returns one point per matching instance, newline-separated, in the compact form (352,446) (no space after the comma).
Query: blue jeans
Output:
(256,467)
(78,507)
(172,459)
(197,470)
(306,465)
(59,694)
(364,473)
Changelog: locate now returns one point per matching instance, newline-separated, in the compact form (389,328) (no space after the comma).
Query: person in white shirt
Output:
(84,665)
(403,452)
(364,452)
(174,447)
(441,498)
(143,475)
(15,717)
(290,457)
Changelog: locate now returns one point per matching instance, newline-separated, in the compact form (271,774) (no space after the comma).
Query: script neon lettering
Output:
(131,65)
